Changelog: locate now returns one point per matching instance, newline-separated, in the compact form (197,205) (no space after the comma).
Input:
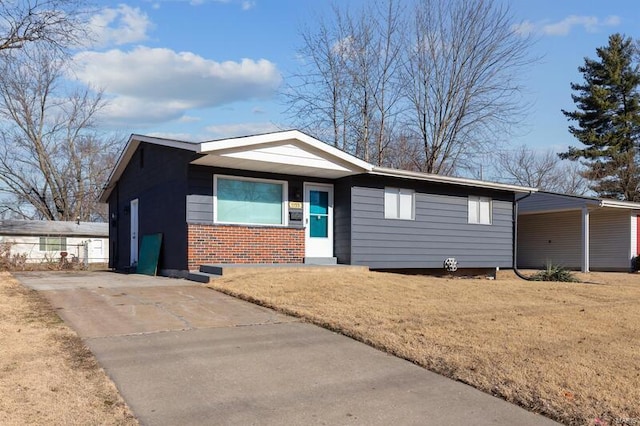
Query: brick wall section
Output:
(211,244)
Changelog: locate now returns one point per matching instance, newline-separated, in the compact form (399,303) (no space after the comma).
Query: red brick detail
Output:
(244,244)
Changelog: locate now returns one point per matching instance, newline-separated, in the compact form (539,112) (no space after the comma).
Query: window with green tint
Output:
(53,243)
(318,214)
(249,201)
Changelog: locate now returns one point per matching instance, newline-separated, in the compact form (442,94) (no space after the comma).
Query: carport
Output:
(577,232)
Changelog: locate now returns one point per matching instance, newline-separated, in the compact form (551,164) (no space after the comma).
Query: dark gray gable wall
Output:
(157,177)
(440,229)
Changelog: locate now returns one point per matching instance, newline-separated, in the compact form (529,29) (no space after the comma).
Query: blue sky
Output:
(207,69)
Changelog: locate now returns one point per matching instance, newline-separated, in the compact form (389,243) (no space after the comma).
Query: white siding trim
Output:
(633,249)
(585,240)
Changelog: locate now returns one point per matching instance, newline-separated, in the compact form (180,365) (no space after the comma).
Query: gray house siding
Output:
(342,220)
(440,229)
(556,238)
(156,176)
(200,195)
(610,240)
(550,238)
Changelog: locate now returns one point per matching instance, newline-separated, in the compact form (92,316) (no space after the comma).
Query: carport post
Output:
(585,239)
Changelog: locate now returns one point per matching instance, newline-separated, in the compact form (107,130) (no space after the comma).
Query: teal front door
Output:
(318,220)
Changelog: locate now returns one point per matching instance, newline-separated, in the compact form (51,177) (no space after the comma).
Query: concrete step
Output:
(212,269)
(321,260)
(228,269)
(201,277)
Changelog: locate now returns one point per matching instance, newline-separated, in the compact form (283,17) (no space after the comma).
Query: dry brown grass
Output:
(569,351)
(47,375)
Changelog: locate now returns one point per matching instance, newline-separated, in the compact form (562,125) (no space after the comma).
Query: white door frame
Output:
(318,247)
(133,211)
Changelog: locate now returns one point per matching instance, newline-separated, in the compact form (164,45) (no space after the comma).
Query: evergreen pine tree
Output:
(608,120)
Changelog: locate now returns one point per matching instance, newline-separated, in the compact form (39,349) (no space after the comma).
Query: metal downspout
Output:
(515,237)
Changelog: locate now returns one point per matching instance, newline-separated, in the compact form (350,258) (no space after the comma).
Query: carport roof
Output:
(54,228)
(546,202)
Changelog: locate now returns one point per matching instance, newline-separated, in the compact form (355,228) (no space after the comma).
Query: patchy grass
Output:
(48,376)
(570,351)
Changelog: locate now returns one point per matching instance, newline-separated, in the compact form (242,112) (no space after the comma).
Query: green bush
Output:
(555,273)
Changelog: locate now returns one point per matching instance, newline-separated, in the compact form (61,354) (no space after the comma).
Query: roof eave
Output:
(212,147)
(620,204)
(383,171)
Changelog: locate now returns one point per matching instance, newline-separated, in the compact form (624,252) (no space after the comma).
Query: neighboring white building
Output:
(46,240)
(577,232)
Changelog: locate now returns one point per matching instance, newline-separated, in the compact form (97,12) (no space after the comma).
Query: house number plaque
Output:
(295,205)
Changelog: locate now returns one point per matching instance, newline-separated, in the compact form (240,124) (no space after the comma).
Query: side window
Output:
(399,203)
(480,210)
(53,243)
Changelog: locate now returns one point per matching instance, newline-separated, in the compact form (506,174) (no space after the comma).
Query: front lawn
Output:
(47,374)
(567,350)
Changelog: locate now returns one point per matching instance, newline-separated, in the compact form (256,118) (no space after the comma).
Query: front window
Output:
(480,210)
(249,201)
(53,243)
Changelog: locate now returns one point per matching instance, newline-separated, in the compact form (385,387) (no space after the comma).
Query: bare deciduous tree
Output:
(52,162)
(543,170)
(463,77)
(58,23)
(348,91)
(450,85)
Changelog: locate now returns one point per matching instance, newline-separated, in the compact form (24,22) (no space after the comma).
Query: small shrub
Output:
(555,273)
(11,261)
(635,264)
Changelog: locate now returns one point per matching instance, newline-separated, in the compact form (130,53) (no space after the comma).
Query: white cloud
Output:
(189,119)
(590,24)
(122,25)
(221,131)
(184,137)
(247,4)
(240,129)
(151,85)
(244,4)
(524,28)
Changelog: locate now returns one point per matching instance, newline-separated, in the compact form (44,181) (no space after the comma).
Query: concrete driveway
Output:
(183,354)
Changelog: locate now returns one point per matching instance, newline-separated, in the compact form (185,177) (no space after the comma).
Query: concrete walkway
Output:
(184,354)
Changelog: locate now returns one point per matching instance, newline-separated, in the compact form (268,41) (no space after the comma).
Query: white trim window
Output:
(249,201)
(480,210)
(53,244)
(399,203)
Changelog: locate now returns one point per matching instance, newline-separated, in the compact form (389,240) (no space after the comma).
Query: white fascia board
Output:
(383,171)
(620,204)
(172,143)
(127,153)
(247,141)
(532,212)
